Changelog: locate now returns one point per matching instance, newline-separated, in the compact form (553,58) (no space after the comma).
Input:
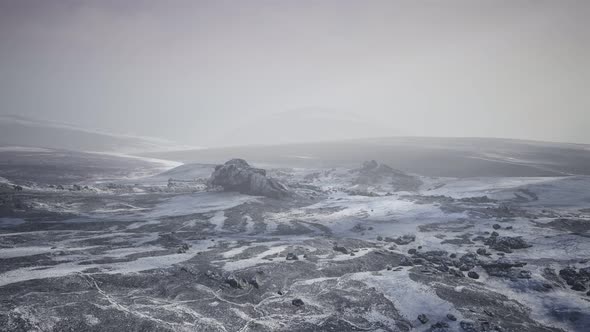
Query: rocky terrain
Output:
(237,248)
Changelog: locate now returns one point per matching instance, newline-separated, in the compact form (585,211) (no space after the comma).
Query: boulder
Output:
(506,243)
(238,175)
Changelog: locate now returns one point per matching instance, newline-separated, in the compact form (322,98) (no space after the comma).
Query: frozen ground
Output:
(150,254)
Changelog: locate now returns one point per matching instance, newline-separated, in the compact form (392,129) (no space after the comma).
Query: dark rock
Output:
(579,286)
(254,282)
(236,282)
(440,325)
(502,268)
(297,302)
(379,238)
(482,251)
(422,318)
(238,175)
(473,275)
(506,243)
(456,273)
(412,251)
(494,234)
(292,257)
(524,274)
(183,248)
(468,326)
(451,317)
(496,226)
(405,261)
(468,261)
(405,239)
(340,249)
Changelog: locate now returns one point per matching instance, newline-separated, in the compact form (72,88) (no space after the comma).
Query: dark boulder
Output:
(506,243)
(297,302)
(405,239)
(422,318)
(238,175)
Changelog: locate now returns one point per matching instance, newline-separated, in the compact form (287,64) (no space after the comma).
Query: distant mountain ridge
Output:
(19,130)
(305,125)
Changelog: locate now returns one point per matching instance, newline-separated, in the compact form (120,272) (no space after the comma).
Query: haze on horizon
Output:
(213,73)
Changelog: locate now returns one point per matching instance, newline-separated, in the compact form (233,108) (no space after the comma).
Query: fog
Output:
(216,73)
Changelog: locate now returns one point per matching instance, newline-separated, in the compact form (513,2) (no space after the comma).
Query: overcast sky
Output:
(197,71)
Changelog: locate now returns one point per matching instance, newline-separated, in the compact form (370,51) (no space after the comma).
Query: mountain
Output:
(16,130)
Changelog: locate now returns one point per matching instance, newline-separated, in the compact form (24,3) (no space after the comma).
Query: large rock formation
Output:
(238,175)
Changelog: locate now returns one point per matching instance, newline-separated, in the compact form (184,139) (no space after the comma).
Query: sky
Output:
(212,73)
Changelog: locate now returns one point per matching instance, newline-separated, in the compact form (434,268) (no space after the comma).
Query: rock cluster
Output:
(578,280)
(506,243)
(238,175)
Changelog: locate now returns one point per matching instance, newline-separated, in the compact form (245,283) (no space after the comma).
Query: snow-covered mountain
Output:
(16,130)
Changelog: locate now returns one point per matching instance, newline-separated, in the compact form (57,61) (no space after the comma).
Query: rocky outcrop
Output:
(238,175)
(373,173)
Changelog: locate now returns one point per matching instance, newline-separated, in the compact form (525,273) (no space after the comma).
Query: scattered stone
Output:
(183,248)
(405,261)
(379,238)
(340,249)
(422,318)
(405,239)
(440,325)
(579,286)
(451,317)
(236,282)
(456,273)
(496,226)
(482,251)
(468,326)
(502,268)
(524,274)
(473,275)
(412,251)
(576,279)
(254,282)
(297,302)
(292,257)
